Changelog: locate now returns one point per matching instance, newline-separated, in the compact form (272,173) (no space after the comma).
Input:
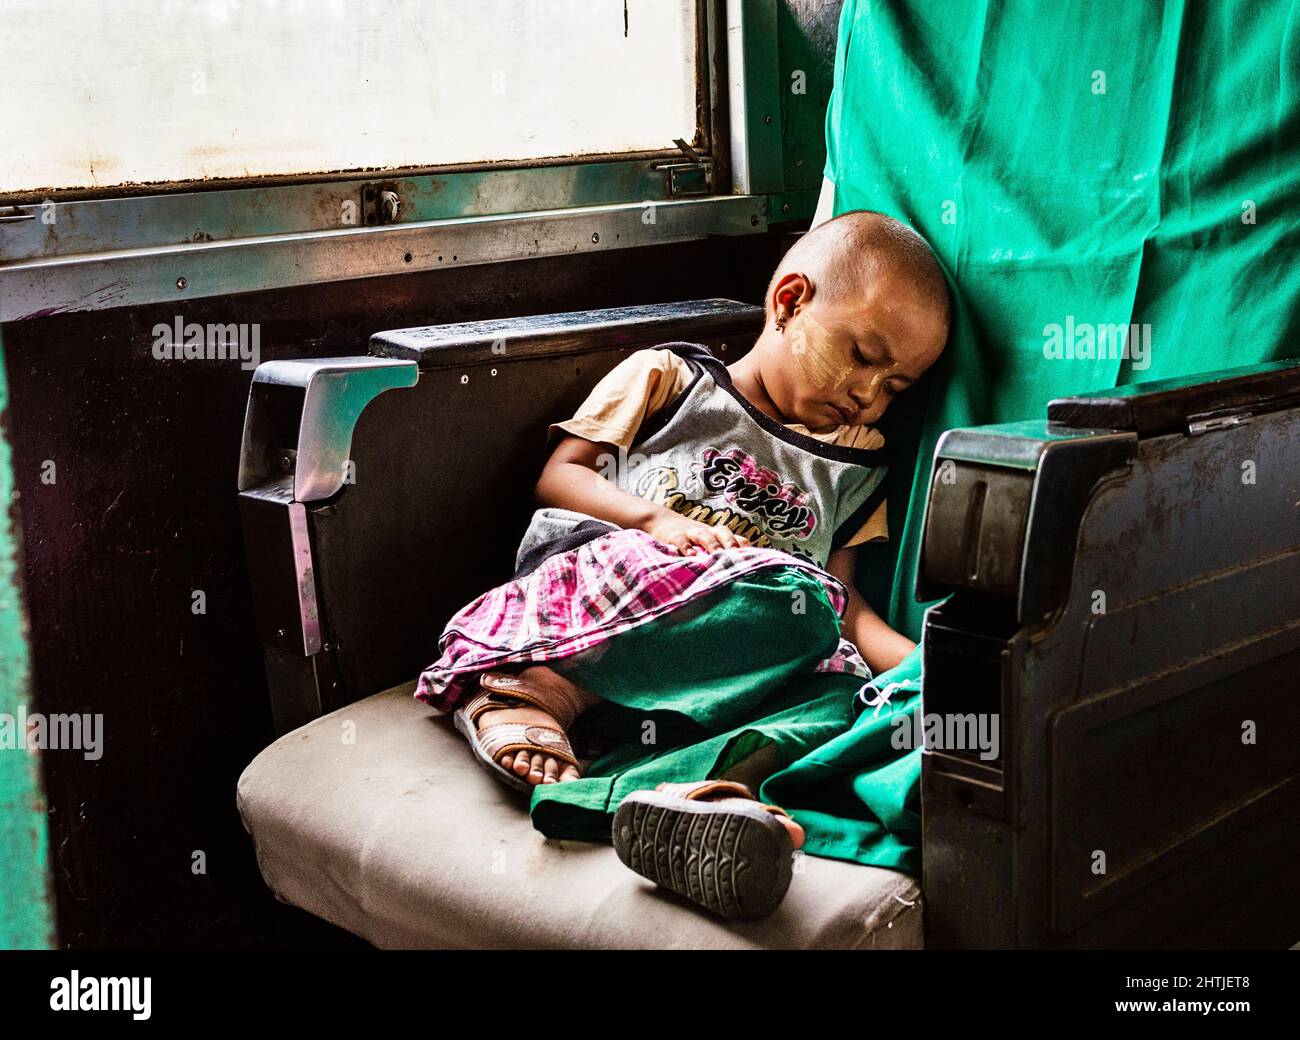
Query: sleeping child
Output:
(693,559)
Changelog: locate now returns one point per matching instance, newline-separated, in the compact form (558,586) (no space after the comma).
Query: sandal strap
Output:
(484,701)
(707,790)
(488,700)
(715,790)
(560,703)
(511,737)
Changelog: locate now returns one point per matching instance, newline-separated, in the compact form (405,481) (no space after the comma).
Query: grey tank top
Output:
(712,456)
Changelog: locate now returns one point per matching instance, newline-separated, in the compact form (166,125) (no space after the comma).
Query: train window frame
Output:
(81,250)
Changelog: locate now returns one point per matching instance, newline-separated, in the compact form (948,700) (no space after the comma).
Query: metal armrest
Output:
(296,453)
(301,415)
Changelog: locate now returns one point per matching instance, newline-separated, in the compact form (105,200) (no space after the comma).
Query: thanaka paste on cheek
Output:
(825,366)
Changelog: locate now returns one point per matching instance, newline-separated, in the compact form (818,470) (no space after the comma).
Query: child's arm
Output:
(880,646)
(572,480)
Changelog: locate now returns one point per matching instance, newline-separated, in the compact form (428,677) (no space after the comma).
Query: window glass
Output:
(98,94)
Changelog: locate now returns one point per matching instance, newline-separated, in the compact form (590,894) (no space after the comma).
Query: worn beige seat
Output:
(376,818)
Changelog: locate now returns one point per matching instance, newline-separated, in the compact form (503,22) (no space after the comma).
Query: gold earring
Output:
(780,323)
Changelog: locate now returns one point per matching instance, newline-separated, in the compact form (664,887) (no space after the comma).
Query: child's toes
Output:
(535,773)
(796,832)
(522,764)
(550,771)
(569,773)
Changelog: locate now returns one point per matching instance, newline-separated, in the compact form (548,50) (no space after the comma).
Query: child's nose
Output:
(865,393)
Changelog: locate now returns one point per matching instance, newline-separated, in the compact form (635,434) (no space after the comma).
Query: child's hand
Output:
(691,536)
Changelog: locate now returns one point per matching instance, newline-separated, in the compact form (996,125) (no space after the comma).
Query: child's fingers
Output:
(730,539)
(714,538)
(708,539)
(724,538)
(701,538)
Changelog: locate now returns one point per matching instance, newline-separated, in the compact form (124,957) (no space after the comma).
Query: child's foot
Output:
(533,766)
(796,832)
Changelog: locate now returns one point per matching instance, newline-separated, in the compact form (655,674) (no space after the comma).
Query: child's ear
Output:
(791,291)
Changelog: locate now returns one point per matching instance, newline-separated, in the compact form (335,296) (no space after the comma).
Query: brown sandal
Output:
(709,841)
(497,690)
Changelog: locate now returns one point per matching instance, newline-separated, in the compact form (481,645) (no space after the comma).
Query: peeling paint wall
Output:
(26,921)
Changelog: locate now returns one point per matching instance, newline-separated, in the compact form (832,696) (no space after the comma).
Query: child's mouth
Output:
(843,414)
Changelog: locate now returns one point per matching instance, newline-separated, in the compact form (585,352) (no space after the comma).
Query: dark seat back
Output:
(439,489)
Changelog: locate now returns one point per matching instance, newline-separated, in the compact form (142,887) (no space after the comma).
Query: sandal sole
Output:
(735,860)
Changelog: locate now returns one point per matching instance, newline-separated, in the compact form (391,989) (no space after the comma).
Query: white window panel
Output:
(100,94)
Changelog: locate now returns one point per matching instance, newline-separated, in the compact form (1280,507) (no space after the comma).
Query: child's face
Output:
(843,362)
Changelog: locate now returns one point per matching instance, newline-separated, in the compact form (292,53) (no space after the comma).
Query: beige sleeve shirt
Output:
(641,384)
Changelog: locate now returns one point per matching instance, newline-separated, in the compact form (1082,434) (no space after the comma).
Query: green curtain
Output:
(1079,163)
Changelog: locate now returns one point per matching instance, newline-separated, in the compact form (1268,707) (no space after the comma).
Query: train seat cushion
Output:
(376,818)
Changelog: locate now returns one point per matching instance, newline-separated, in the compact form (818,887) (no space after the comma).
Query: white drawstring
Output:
(882,696)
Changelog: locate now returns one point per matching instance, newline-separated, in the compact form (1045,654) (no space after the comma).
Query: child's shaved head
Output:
(843,255)
(856,312)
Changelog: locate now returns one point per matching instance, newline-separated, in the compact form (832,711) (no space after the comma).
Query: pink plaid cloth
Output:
(579,599)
